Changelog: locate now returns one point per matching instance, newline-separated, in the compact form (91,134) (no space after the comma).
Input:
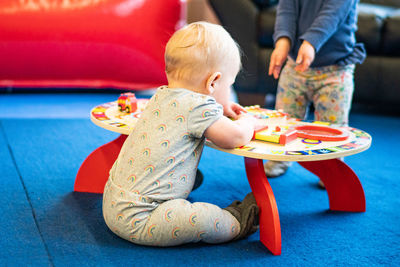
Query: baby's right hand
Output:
(279,56)
(257,123)
(248,117)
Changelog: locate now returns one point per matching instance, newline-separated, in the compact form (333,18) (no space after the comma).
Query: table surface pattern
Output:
(109,117)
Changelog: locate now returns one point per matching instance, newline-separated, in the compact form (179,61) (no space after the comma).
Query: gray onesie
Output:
(144,200)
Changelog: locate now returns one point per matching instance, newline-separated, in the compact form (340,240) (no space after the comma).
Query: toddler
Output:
(318,39)
(144,198)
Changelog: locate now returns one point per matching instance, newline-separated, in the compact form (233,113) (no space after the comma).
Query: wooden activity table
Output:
(344,189)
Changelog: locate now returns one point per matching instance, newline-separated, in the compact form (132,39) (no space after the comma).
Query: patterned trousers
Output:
(329,88)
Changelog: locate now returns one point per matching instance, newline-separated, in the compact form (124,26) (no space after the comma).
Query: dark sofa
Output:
(377,80)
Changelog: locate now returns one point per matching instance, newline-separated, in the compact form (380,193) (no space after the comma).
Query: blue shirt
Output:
(329,25)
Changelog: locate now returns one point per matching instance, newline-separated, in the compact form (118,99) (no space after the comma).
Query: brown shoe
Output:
(246,212)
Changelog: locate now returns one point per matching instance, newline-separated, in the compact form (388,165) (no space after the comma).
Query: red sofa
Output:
(86,43)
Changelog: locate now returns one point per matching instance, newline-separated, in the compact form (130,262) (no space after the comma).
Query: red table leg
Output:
(93,173)
(345,191)
(270,227)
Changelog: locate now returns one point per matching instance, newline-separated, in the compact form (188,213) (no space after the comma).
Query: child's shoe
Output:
(246,212)
(276,168)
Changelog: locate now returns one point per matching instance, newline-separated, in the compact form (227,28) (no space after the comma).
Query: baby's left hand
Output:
(305,56)
(233,110)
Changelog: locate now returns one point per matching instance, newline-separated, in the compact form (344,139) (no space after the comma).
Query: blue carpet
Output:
(17,222)
(44,223)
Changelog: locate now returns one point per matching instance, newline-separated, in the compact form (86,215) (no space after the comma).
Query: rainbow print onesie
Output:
(144,200)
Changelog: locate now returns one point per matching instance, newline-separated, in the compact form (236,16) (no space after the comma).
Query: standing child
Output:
(144,199)
(318,39)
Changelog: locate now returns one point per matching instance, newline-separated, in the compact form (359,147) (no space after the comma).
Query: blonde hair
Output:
(200,48)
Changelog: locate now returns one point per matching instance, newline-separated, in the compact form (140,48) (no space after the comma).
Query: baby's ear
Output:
(212,79)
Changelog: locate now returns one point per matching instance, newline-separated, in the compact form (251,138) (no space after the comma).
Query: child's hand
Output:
(258,124)
(305,56)
(227,133)
(279,56)
(233,110)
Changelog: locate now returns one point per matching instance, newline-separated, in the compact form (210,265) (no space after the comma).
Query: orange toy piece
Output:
(127,102)
(323,133)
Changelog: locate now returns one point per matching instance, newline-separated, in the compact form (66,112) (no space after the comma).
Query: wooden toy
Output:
(127,102)
(280,129)
(322,133)
(276,129)
(278,134)
(271,116)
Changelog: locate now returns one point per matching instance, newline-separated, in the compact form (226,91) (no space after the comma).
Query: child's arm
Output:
(279,56)
(284,35)
(226,133)
(331,15)
(286,20)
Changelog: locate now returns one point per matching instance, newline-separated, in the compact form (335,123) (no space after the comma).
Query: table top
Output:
(109,117)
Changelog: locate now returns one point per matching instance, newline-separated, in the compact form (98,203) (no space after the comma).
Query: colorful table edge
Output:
(361,142)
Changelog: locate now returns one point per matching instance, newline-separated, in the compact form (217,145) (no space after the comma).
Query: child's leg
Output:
(178,222)
(292,90)
(292,98)
(332,99)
